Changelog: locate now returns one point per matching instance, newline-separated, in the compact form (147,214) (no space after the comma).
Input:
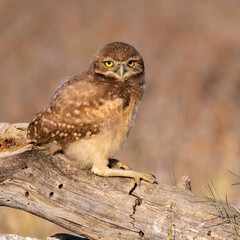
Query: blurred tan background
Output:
(189,119)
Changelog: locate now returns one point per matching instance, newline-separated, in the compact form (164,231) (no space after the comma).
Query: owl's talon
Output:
(125,167)
(149,178)
(137,181)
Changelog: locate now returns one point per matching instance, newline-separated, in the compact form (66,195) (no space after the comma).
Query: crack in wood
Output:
(138,202)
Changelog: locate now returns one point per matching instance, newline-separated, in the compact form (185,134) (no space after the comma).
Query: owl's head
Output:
(119,61)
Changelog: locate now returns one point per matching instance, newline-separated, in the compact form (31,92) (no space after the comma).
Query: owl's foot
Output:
(113,163)
(145,176)
(137,176)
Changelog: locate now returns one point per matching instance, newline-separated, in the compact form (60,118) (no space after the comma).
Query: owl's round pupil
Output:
(131,63)
(108,63)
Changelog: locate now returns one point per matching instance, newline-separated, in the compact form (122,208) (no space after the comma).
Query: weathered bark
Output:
(54,188)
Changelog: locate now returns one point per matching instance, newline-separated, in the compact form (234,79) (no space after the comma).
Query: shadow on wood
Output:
(56,189)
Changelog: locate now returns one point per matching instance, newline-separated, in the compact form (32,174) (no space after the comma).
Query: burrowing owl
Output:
(91,115)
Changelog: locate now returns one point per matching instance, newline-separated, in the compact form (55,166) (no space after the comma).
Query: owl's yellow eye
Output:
(108,64)
(131,63)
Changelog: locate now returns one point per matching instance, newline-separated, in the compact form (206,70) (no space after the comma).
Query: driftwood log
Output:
(56,189)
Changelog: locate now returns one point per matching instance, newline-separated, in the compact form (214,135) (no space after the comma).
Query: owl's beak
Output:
(121,70)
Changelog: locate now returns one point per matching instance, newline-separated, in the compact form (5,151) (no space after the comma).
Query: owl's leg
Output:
(108,172)
(112,163)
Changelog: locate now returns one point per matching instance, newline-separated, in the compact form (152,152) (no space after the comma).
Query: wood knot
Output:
(184,183)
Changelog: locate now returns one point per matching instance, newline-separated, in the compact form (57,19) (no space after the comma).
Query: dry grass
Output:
(189,120)
(227,212)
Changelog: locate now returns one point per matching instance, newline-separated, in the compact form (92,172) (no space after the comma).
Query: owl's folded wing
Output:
(80,111)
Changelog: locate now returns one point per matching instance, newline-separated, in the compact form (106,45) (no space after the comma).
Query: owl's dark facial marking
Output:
(119,61)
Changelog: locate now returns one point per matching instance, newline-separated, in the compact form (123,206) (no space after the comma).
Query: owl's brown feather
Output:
(79,110)
(91,115)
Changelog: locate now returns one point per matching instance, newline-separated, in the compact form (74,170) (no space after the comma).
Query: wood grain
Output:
(56,189)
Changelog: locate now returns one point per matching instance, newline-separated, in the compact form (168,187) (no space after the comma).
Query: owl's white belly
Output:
(105,144)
